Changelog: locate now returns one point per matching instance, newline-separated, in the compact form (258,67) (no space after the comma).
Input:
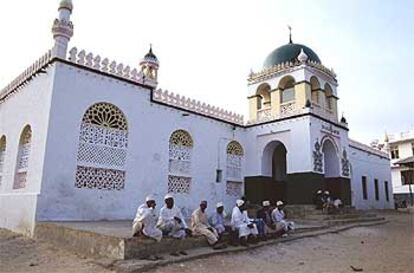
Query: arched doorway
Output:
(279,163)
(330,159)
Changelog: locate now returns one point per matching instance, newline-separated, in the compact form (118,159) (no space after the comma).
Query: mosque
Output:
(84,138)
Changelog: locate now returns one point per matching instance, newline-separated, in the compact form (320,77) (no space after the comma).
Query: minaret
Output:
(149,68)
(62,29)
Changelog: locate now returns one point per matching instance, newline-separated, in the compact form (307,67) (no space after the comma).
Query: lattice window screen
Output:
(179,167)
(2,156)
(234,188)
(234,160)
(102,150)
(23,156)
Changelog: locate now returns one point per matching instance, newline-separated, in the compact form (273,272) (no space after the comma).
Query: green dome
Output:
(289,53)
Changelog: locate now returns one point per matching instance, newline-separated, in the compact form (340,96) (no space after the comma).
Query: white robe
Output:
(278,216)
(169,225)
(145,221)
(240,222)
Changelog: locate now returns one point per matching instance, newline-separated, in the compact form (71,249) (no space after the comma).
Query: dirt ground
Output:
(384,248)
(21,254)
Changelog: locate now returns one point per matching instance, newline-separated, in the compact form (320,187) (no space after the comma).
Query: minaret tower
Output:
(149,68)
(62,29)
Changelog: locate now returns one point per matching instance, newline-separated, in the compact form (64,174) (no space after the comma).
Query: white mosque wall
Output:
(28,107)
(371,166)
(149,128)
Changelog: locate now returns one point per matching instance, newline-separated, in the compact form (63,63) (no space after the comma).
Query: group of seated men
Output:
(329,204)
(171,222)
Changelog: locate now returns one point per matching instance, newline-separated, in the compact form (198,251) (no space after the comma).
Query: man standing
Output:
(241,223)
(217,220)
(146,219)
(279,217)
(171,221)
(200,225)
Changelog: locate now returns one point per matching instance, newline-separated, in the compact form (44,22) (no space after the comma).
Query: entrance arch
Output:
(330,159)
(274,163)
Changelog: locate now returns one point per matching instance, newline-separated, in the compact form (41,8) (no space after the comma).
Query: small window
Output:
(376,189)
(387,194)
(395,154)
(412,148)
(364,188)
(407,177)
(288,95)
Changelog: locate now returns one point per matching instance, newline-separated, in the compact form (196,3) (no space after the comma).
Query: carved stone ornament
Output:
(317,158)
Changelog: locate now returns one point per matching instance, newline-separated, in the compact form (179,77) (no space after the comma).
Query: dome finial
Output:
(290,34)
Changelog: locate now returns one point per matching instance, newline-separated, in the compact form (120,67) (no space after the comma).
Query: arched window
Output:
(315,87)
(287,89)
(2,156)
(23,156)
(263,92)
(102,150)
(179,167)
(328,96)
(234,168)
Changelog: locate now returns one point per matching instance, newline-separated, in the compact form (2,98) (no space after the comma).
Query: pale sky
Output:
(207,48)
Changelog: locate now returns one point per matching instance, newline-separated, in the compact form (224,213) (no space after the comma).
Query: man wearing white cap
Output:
(241,222)
(200,225)
(265,214)
(146,219)
(171,221)
(279,217)
(217,220)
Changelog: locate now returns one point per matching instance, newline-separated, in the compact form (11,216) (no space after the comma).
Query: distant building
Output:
(400,148)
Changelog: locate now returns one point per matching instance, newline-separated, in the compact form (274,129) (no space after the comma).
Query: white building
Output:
(85,138)
(400,148)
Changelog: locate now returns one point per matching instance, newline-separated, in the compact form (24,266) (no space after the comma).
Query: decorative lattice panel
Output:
(20,179)
(106,115)
(234,160)
(181,138)
(179,167)
(234,148)
(234,166)
(234,188)
(102,150)
(23,161)
(179,184)
(2,154)
(89,177)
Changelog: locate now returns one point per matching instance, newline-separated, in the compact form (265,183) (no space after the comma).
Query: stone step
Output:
(338,216)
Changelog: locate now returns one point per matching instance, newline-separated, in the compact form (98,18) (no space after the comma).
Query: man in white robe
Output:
(200,225)
(217,219)
(279,217)
(171,221)
(241,222)
(146,219)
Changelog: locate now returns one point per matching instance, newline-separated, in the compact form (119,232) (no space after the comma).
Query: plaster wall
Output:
(373,167)
(29,106)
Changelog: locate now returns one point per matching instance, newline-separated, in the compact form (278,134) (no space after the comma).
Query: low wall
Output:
(18,212)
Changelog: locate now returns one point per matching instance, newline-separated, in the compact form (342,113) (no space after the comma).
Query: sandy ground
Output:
(20,254)
(384,248)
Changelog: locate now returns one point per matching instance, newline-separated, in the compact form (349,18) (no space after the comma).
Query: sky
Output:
(207,48)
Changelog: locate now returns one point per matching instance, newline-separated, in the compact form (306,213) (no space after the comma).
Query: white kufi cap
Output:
(219,205)
(150,198)
(266,203)
(239,203)
(279,203)
(168,196)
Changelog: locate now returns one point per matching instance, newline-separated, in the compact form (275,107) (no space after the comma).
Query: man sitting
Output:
(242,224)
(200,226)
(265,215)
(279,217)
(217,219)
(146,219)
(171,221)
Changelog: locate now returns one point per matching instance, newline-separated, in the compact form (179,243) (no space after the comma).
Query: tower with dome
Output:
(84,138)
